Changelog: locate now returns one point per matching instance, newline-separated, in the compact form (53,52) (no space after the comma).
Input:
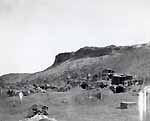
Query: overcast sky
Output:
(32,32)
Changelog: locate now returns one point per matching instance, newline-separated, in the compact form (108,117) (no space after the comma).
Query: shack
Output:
(107,74)
(121,79)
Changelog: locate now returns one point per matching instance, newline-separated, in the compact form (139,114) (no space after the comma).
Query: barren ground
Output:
(71,106)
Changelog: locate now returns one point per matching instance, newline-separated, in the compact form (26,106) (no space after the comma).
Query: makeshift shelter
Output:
(120,79)
(120,89)
(107,74)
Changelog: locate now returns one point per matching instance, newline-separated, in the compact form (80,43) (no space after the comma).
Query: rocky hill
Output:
(132,60)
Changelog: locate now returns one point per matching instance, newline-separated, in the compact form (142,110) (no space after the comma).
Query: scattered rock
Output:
(39,118)
(37,109)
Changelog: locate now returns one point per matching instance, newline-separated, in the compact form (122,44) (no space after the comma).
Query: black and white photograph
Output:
(74,60)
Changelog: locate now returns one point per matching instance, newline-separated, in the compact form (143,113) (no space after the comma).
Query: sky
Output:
(32,32)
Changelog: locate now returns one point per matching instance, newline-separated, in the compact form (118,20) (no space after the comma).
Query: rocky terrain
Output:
(57,87)
(132,60)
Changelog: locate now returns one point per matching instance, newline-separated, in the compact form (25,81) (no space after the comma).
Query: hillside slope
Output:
(123,59)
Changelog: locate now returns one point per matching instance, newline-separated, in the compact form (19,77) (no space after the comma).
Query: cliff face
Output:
(123,59)
(84,52)
(62,57)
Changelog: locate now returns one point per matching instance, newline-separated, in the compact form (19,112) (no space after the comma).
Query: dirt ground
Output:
(71,106)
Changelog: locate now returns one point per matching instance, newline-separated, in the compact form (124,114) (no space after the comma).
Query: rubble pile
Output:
(37,109)
(39,118)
